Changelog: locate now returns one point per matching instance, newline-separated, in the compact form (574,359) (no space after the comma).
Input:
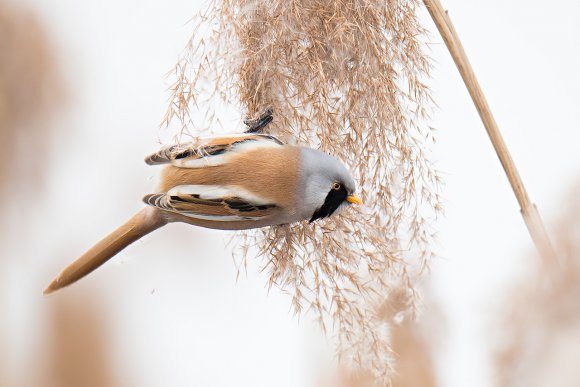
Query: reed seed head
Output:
(347,77)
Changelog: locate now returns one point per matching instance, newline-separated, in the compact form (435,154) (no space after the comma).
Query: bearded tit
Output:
(234,182)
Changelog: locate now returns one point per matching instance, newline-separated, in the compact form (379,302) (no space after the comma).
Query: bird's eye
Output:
(336,186)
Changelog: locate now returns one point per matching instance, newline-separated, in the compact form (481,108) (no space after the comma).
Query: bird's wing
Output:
(212,202)
(210,151)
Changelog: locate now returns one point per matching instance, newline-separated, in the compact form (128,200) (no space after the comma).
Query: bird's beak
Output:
(354,199)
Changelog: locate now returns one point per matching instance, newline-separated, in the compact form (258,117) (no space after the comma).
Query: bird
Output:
(229,182)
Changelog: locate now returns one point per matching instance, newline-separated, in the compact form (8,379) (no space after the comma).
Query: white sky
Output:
(178,317)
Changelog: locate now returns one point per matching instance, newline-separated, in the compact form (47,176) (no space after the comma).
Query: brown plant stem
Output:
(527,208)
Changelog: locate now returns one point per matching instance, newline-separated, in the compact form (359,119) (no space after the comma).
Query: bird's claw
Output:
(258,124)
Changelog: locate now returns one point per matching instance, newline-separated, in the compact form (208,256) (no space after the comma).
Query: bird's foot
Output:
(258,124)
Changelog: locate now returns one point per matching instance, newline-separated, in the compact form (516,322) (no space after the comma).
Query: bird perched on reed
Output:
(235,182)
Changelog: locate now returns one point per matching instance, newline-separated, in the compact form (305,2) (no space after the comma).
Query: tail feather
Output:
(141,224)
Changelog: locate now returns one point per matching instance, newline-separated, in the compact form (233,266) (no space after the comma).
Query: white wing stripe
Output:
(206,161)
(220,218)
(223,158)
(213,192)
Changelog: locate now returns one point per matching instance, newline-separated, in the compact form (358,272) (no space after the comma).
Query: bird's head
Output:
(326,185)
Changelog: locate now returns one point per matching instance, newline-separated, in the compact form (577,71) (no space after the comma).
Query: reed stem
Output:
(527,208)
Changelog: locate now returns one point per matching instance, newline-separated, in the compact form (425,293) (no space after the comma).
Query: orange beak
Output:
(354,199)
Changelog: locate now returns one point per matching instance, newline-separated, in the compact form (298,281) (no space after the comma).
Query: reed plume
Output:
(347,77)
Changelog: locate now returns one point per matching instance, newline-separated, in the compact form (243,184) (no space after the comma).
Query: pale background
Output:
(175,313)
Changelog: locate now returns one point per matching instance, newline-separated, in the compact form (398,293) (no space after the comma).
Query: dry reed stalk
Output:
(527,208)
(346,77)
(542,312)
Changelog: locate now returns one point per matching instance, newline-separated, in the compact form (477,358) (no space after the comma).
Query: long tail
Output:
(141,224)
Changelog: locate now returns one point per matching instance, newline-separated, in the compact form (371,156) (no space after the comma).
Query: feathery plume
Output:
(346,77)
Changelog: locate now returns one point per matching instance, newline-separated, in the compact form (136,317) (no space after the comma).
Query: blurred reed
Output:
(30,89)
(78,349)
(28,78)
(411,345)
(541,313)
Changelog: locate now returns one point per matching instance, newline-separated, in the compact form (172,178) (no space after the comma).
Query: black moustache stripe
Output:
(333,200)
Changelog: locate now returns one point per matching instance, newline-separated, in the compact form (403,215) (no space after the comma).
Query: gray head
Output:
(327,185)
